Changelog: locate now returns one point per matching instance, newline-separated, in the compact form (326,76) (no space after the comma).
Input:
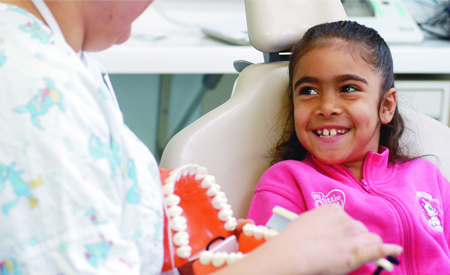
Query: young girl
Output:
(342,146)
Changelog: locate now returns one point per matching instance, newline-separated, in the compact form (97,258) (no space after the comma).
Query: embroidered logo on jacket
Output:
(334,196)
(430,209)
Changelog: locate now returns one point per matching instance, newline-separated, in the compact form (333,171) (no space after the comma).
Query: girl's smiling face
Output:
(336,100)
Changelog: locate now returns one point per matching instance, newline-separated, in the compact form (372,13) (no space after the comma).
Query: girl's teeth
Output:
(330,132)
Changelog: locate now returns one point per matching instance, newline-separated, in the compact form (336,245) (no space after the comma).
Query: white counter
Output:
(166,40)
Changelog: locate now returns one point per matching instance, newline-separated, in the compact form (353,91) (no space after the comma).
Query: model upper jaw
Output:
(330,132)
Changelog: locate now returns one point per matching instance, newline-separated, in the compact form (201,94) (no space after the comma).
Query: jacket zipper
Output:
(365,187)
(398,208)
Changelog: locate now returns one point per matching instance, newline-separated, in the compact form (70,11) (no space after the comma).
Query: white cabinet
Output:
(430,97)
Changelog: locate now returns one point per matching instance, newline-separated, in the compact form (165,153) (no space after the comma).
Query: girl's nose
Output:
(328,106)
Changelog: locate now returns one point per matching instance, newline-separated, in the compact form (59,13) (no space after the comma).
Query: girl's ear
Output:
(388,106)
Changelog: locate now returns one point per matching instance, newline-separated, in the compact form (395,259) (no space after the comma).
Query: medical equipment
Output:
(389,17)
(438,24)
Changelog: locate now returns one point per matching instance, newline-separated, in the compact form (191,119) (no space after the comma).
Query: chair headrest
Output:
(276,25)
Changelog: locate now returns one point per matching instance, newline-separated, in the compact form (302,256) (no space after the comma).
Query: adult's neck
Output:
(66,13)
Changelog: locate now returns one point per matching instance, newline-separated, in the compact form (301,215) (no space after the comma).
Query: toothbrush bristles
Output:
(277,222)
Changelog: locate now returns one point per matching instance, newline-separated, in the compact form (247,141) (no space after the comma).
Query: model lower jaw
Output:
(259,231)
(218,259)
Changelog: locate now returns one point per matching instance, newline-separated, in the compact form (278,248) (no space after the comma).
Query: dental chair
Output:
(234,140)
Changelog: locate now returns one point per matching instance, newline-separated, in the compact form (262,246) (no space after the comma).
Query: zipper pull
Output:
(366,185)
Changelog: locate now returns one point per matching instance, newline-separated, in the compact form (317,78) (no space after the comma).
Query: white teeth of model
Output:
(259,231)
(201,173)
(172,200)
(231,224)
(206,257)
(180,170)
(333,132)
(233,257)
(193,169)
(181,238)
(185,172)
(184,251)
(248,229)
(168,188)
(270,233)
(226,213)
(170,178)
(326,132)
(174,211)
(213,190)
(219,259)
(219,201)
(178,223)
(319,132)
(208,181)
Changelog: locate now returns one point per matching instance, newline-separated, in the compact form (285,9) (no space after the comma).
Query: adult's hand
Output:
(322,241)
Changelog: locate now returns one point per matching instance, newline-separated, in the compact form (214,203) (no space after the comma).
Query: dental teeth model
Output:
(196,213)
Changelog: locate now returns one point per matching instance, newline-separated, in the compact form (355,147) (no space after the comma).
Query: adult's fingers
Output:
(374,252)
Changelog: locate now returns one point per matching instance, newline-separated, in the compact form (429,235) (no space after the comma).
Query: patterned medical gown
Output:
(79,192)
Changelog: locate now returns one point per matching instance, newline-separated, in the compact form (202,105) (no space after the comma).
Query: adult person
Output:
(79,193)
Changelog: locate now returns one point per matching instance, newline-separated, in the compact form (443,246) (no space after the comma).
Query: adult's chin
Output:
(122,39)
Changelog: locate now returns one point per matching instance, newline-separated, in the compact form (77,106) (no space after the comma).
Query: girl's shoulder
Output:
(289,164)
(426,165)
(428,162)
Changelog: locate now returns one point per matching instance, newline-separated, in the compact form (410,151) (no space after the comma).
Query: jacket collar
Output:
(376,167)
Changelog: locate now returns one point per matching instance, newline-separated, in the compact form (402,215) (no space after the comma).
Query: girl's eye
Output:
(308,91)
(348,89)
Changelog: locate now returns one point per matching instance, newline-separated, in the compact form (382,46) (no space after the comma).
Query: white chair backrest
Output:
(427,137)
(276,25)
(233,140)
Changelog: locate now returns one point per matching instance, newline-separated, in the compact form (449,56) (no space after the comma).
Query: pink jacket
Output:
(405,203)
